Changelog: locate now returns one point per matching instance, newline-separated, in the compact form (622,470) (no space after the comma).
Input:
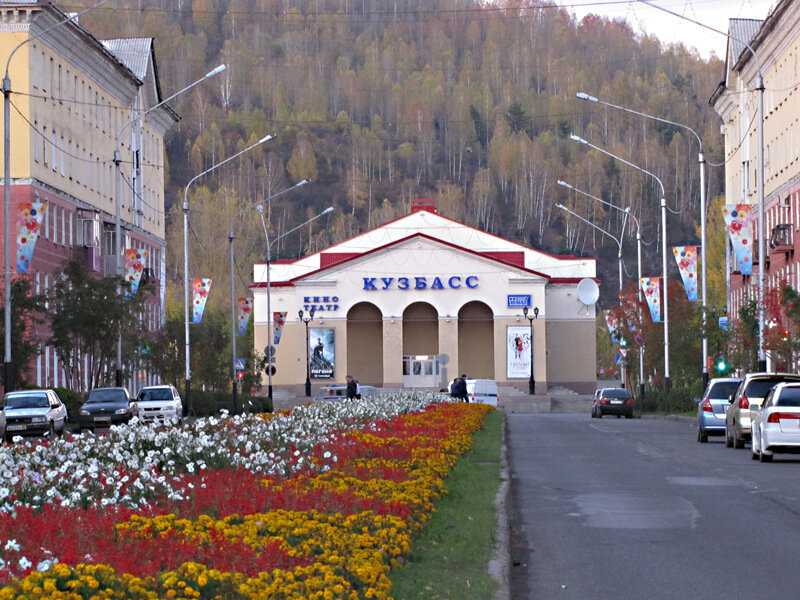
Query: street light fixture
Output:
(187,348)
(629,213)
(664,271)
(762,233)
(702,161)
(8,368)
(307,317)
(618,241)
(261,208)
(118,203)
(531,316)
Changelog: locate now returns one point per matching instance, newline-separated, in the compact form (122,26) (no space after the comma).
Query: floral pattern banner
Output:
(613,326)
(200,289)
(739,221)
(245,310)
(134,266)
(651,287)
(686,257)
(29,225)
(278,321)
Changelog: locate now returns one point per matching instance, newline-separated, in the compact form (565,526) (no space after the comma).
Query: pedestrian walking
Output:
(462,388)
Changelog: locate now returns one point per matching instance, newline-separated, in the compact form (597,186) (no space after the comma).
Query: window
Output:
(59,87)
(53,154)
(71,228)
(61,154)
(47,223)
(45,149)
(37,149)
(63,226)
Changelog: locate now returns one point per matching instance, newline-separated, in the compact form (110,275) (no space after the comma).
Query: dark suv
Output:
(613,401)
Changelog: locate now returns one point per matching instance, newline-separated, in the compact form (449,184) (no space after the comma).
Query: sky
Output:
(672,29)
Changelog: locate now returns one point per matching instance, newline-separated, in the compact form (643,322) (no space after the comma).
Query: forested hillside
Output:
(378,102)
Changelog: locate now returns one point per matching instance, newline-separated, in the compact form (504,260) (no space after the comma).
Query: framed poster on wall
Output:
(518,352)
(322,352)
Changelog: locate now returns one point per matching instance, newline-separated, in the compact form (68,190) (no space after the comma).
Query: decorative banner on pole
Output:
(612,323)
(200,289)
(651,287)
(29,221)
(739,221)
(686,257)
(245,310)
(134,266)
(278,321)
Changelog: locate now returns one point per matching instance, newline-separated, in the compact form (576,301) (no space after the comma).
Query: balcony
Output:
(780,239)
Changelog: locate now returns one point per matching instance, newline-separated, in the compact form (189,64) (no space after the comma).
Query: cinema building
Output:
(421,299)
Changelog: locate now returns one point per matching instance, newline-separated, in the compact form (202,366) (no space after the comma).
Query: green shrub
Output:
(72,400)
(204,404)
(678,400)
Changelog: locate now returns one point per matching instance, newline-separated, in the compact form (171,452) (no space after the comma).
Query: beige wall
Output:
(449,346)
(365,344)
(476,341)
(572,355)
(420,330)
(540,356)
(392,352)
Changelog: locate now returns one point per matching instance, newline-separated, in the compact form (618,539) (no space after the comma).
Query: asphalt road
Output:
(637,509)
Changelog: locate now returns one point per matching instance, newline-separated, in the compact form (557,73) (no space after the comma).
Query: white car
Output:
(158,402)
(33,412)
(776,425)
(482,391)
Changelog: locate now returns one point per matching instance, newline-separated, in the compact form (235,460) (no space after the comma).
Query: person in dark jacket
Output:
(352,387)
(462,388)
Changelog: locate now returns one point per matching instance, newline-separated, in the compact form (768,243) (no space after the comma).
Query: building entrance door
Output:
(421,371)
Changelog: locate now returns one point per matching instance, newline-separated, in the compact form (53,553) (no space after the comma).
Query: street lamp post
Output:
(664,271)
(618,240)
(234,388)
(118,193)
(630,214)
(187,343)
(8,367)
(300,183)
(702,161)
(307,317)
(531,316)
(762,232)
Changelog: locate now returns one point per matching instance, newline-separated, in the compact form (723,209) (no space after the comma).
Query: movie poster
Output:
(518,352)
(322,352)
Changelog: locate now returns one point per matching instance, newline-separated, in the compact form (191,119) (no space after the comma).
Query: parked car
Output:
(482,391)
(613,401)
(158,402)
(750,393)
(776,425)
(105,407)
(712,407)
(33,412)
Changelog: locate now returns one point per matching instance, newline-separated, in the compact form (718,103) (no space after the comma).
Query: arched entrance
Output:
(421,346)
(365,343)
(476,341)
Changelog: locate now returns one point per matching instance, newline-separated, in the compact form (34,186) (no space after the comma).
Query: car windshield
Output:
(616,393)
(156,395)
(37,400)
(108,395)
(759,388)
(790,396)
(722,390)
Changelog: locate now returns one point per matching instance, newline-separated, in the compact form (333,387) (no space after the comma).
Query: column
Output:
(448,346)
(392,352)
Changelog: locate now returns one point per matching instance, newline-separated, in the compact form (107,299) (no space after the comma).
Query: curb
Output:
(678,418)
(500,564)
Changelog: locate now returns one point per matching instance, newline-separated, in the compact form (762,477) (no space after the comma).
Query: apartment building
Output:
(73,96)
(776,42)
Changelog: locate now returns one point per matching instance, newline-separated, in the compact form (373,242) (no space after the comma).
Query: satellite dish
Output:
(588,292)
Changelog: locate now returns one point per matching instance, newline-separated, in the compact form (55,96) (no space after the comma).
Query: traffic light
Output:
(721,365)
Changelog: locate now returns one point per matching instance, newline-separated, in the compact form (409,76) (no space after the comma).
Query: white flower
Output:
(11,546)
(24,563)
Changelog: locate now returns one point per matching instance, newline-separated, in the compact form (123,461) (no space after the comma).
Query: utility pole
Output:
(233,322)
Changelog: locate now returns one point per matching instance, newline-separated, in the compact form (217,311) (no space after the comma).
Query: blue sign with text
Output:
(519,300)
(455,282)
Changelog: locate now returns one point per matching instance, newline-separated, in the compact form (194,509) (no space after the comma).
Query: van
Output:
(482,391)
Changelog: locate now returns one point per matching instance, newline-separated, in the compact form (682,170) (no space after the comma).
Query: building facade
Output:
(72,96)
(422,299)
(776,41)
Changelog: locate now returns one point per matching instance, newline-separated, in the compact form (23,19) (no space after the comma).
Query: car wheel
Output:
(629,415)
(764,457)
(702,436)
(599,413)
(738,442)
(728,441)
(52,433)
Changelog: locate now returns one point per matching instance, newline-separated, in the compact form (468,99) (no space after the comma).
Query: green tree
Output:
(88,314)
(26,312)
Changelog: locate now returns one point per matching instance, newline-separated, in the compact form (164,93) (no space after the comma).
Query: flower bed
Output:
(319,503)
